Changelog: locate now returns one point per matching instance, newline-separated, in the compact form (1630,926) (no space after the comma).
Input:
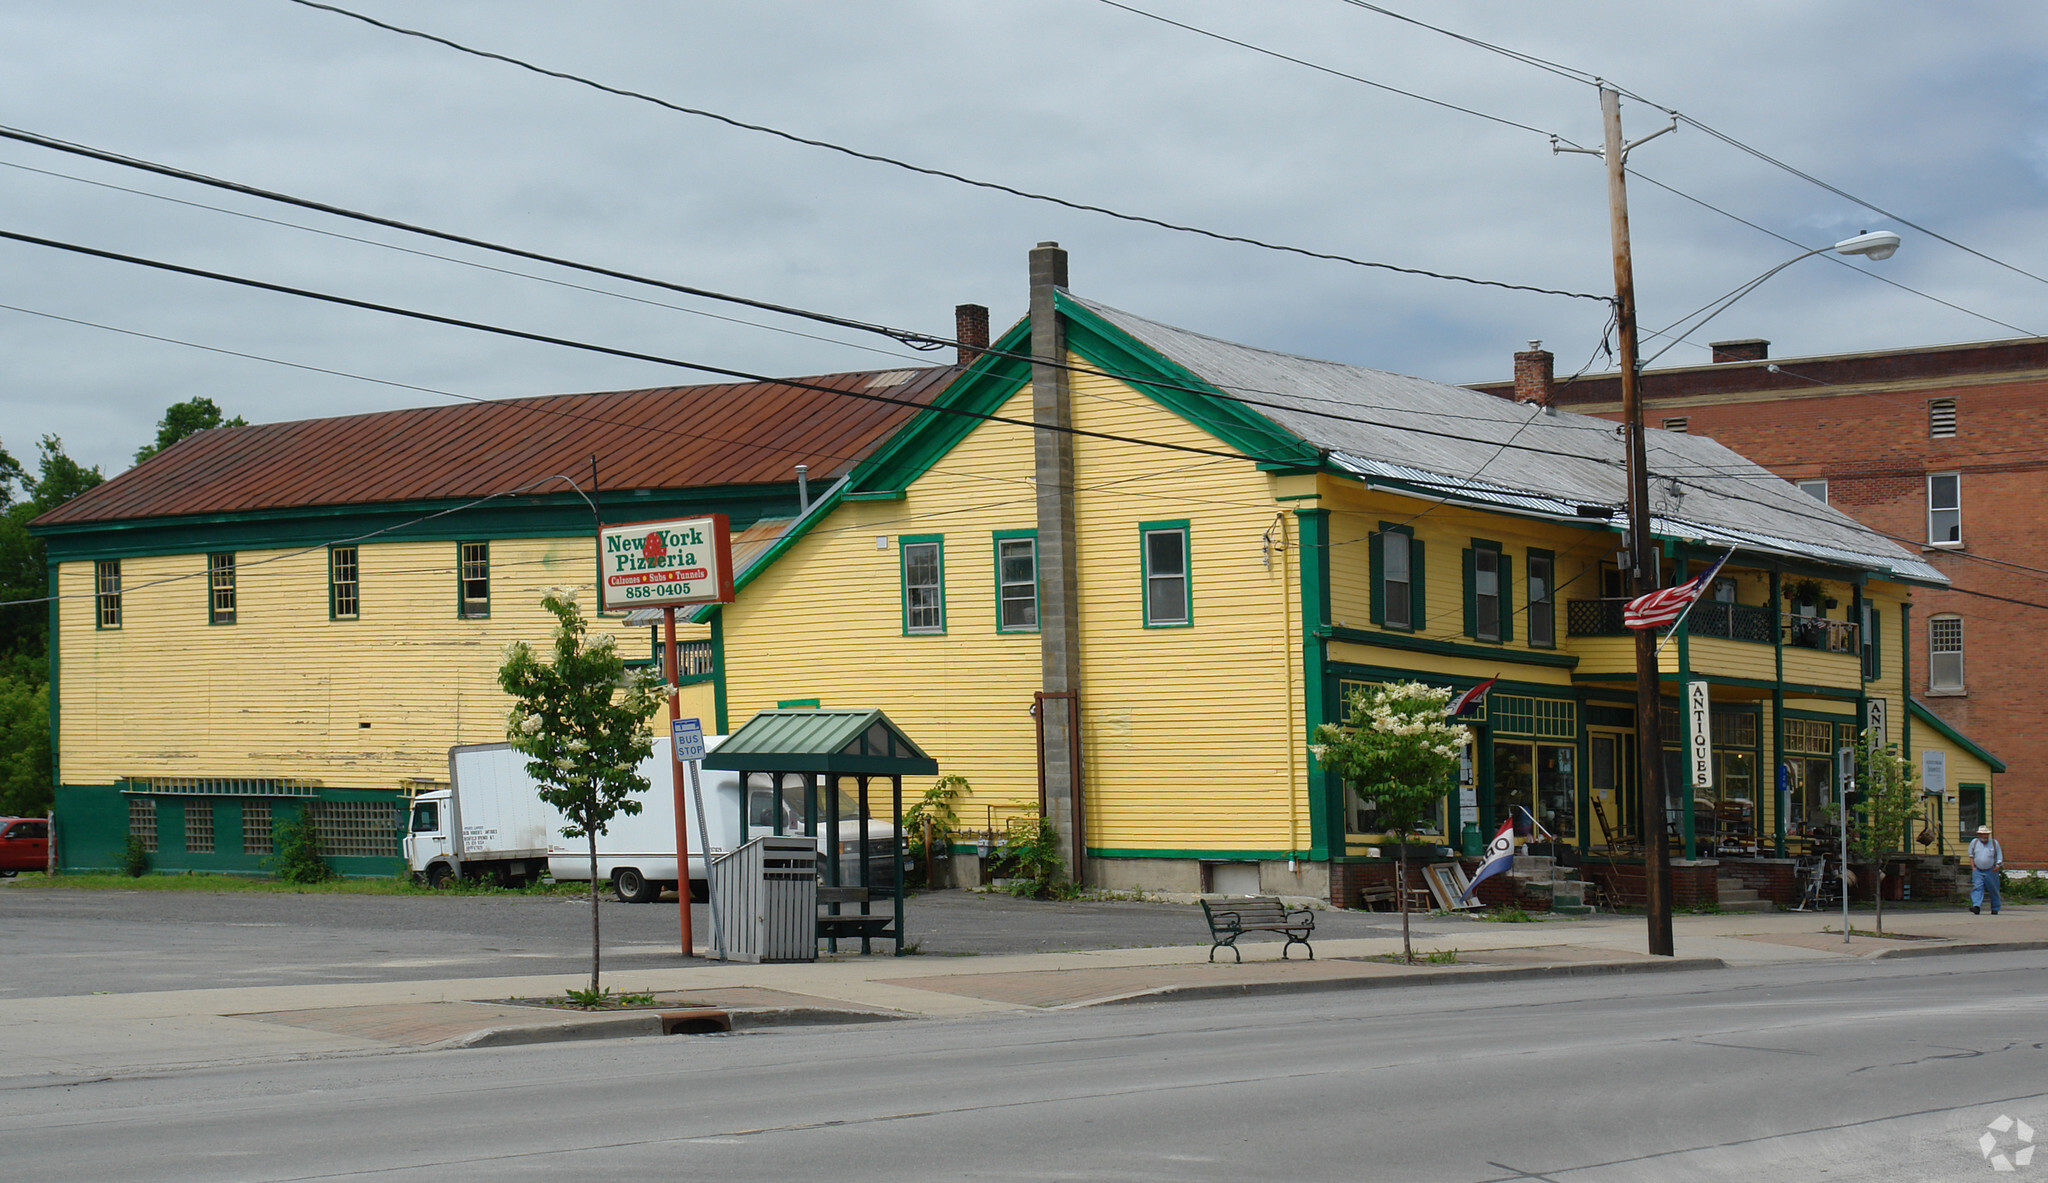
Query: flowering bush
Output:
(1398,750)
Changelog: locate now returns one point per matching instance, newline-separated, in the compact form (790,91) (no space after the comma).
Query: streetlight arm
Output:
(1877,244)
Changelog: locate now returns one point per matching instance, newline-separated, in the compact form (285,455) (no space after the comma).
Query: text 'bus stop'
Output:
(825,747)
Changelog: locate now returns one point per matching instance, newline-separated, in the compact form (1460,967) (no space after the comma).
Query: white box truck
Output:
(489,785)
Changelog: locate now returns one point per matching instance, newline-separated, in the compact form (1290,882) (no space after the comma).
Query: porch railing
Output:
(1716,618)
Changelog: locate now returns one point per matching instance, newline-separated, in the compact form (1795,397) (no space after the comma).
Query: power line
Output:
(916,339)
(1274,53)
(924,170)
(607,350)
(1590,79)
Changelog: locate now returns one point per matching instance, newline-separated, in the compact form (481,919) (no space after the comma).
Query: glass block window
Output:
(199,827)
(142,821)
(924,585)
(356,829)
(107,593)
(1945,653)
(256,827)
(220,584)
(344,601)
(474,579)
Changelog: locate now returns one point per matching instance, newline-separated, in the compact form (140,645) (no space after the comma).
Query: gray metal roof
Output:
(1438,440)
(854,742)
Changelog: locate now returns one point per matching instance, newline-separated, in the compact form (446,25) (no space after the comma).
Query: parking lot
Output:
(55,941)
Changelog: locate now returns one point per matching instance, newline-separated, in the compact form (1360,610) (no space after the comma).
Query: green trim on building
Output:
(1217,855)
(544,516)
(996,540)
(56,630)
(1187,572)
(1920,711)
(903,544)
(1325,789)
(718,671)
(1395,640)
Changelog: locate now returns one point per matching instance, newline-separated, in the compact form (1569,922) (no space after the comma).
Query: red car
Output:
(24,845)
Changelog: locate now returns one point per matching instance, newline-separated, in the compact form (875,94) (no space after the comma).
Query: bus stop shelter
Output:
(827,747)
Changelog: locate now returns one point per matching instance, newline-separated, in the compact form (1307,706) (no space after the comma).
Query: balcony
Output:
(1717,618)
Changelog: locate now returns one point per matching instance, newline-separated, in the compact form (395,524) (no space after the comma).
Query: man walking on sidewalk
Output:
(1985,860)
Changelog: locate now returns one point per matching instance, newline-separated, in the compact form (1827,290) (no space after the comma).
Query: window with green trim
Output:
(924,584)
(220,589)
(107,593)
(474,579)
(1397,581)
(343,600)
(1542,608)
(1168,599)
(1489,602)
(1016,581)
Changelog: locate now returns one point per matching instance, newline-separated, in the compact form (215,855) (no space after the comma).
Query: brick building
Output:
(1945,449)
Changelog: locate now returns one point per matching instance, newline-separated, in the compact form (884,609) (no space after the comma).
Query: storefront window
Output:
(1541,778)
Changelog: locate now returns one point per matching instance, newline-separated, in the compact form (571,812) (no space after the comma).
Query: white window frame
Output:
(1946,518)
(1397,593)
(1945,676)
(1816,489)
(1018,597)
(1484,601)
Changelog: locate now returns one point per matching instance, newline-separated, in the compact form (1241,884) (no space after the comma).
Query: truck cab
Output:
(24,845)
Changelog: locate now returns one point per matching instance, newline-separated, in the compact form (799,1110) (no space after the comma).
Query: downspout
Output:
(1781,802)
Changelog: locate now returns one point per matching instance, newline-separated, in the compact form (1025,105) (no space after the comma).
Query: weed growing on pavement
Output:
(1506,915)
(588,999)
(1433,957)
(636,1000)
(298,850)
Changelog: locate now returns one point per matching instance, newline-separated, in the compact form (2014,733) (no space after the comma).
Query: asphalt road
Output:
(58,942)
(1869,1071)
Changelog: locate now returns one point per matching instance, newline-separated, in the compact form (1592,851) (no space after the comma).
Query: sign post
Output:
(1845,772)
(683,562)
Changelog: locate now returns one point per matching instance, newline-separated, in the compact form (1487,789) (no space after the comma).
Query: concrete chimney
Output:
(1747,349)
(970,328)
(1535,375)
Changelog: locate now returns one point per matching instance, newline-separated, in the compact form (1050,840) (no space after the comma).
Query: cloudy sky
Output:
(1934,112)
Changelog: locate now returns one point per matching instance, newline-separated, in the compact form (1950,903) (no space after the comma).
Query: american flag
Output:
(1663,606)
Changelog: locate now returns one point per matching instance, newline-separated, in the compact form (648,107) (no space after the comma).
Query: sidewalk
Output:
(57,1039)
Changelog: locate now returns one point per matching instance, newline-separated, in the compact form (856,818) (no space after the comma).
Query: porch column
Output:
(1326,825)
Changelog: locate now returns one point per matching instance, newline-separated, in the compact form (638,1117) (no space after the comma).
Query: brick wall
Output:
(1860,422)
(1774,879)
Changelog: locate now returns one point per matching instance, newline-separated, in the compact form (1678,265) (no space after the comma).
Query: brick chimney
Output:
(970,328)
(1535,375)
(1747,349)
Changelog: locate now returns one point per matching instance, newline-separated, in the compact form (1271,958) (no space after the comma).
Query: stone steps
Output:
(1737,898)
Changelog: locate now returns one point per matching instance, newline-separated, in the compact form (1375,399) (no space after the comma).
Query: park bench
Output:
(1230,919)
(850,924)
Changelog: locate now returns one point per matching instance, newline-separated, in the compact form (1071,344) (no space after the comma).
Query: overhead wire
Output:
(925,170)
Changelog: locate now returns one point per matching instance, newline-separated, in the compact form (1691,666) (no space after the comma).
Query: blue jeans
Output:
(1984,884)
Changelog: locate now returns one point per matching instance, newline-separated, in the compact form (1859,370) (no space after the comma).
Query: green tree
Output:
(24,746)
(1397,749)
(187,418)
(1888,802)
(582,721)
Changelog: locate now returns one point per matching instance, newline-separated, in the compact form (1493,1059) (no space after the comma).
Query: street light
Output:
(1642,560)
(1871,244)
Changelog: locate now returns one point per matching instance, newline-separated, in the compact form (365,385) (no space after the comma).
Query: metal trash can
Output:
(766,893)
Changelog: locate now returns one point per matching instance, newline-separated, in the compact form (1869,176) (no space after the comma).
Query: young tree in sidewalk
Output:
(583,722)
(1888,802)
(1397,749)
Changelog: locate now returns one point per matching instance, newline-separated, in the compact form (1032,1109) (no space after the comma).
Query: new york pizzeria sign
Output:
(653,564)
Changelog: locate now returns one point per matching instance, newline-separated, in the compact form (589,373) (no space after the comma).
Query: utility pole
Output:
(1060,777)
(1642,553)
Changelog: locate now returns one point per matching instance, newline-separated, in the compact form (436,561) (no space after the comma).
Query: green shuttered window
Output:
(1397,581)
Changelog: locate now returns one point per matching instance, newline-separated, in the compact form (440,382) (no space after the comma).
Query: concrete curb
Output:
(1437,978)
(656,1022)
(1971,947)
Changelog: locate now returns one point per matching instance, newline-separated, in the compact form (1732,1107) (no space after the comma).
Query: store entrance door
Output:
(1611,776)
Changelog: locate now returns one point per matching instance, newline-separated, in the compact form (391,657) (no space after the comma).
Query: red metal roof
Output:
(750,433)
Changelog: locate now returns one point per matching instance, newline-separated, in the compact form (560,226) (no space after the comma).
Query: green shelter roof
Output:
(850,742)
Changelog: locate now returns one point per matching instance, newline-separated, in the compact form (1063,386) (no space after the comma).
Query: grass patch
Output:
(230,884)
(1508,914)
(1432,957)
